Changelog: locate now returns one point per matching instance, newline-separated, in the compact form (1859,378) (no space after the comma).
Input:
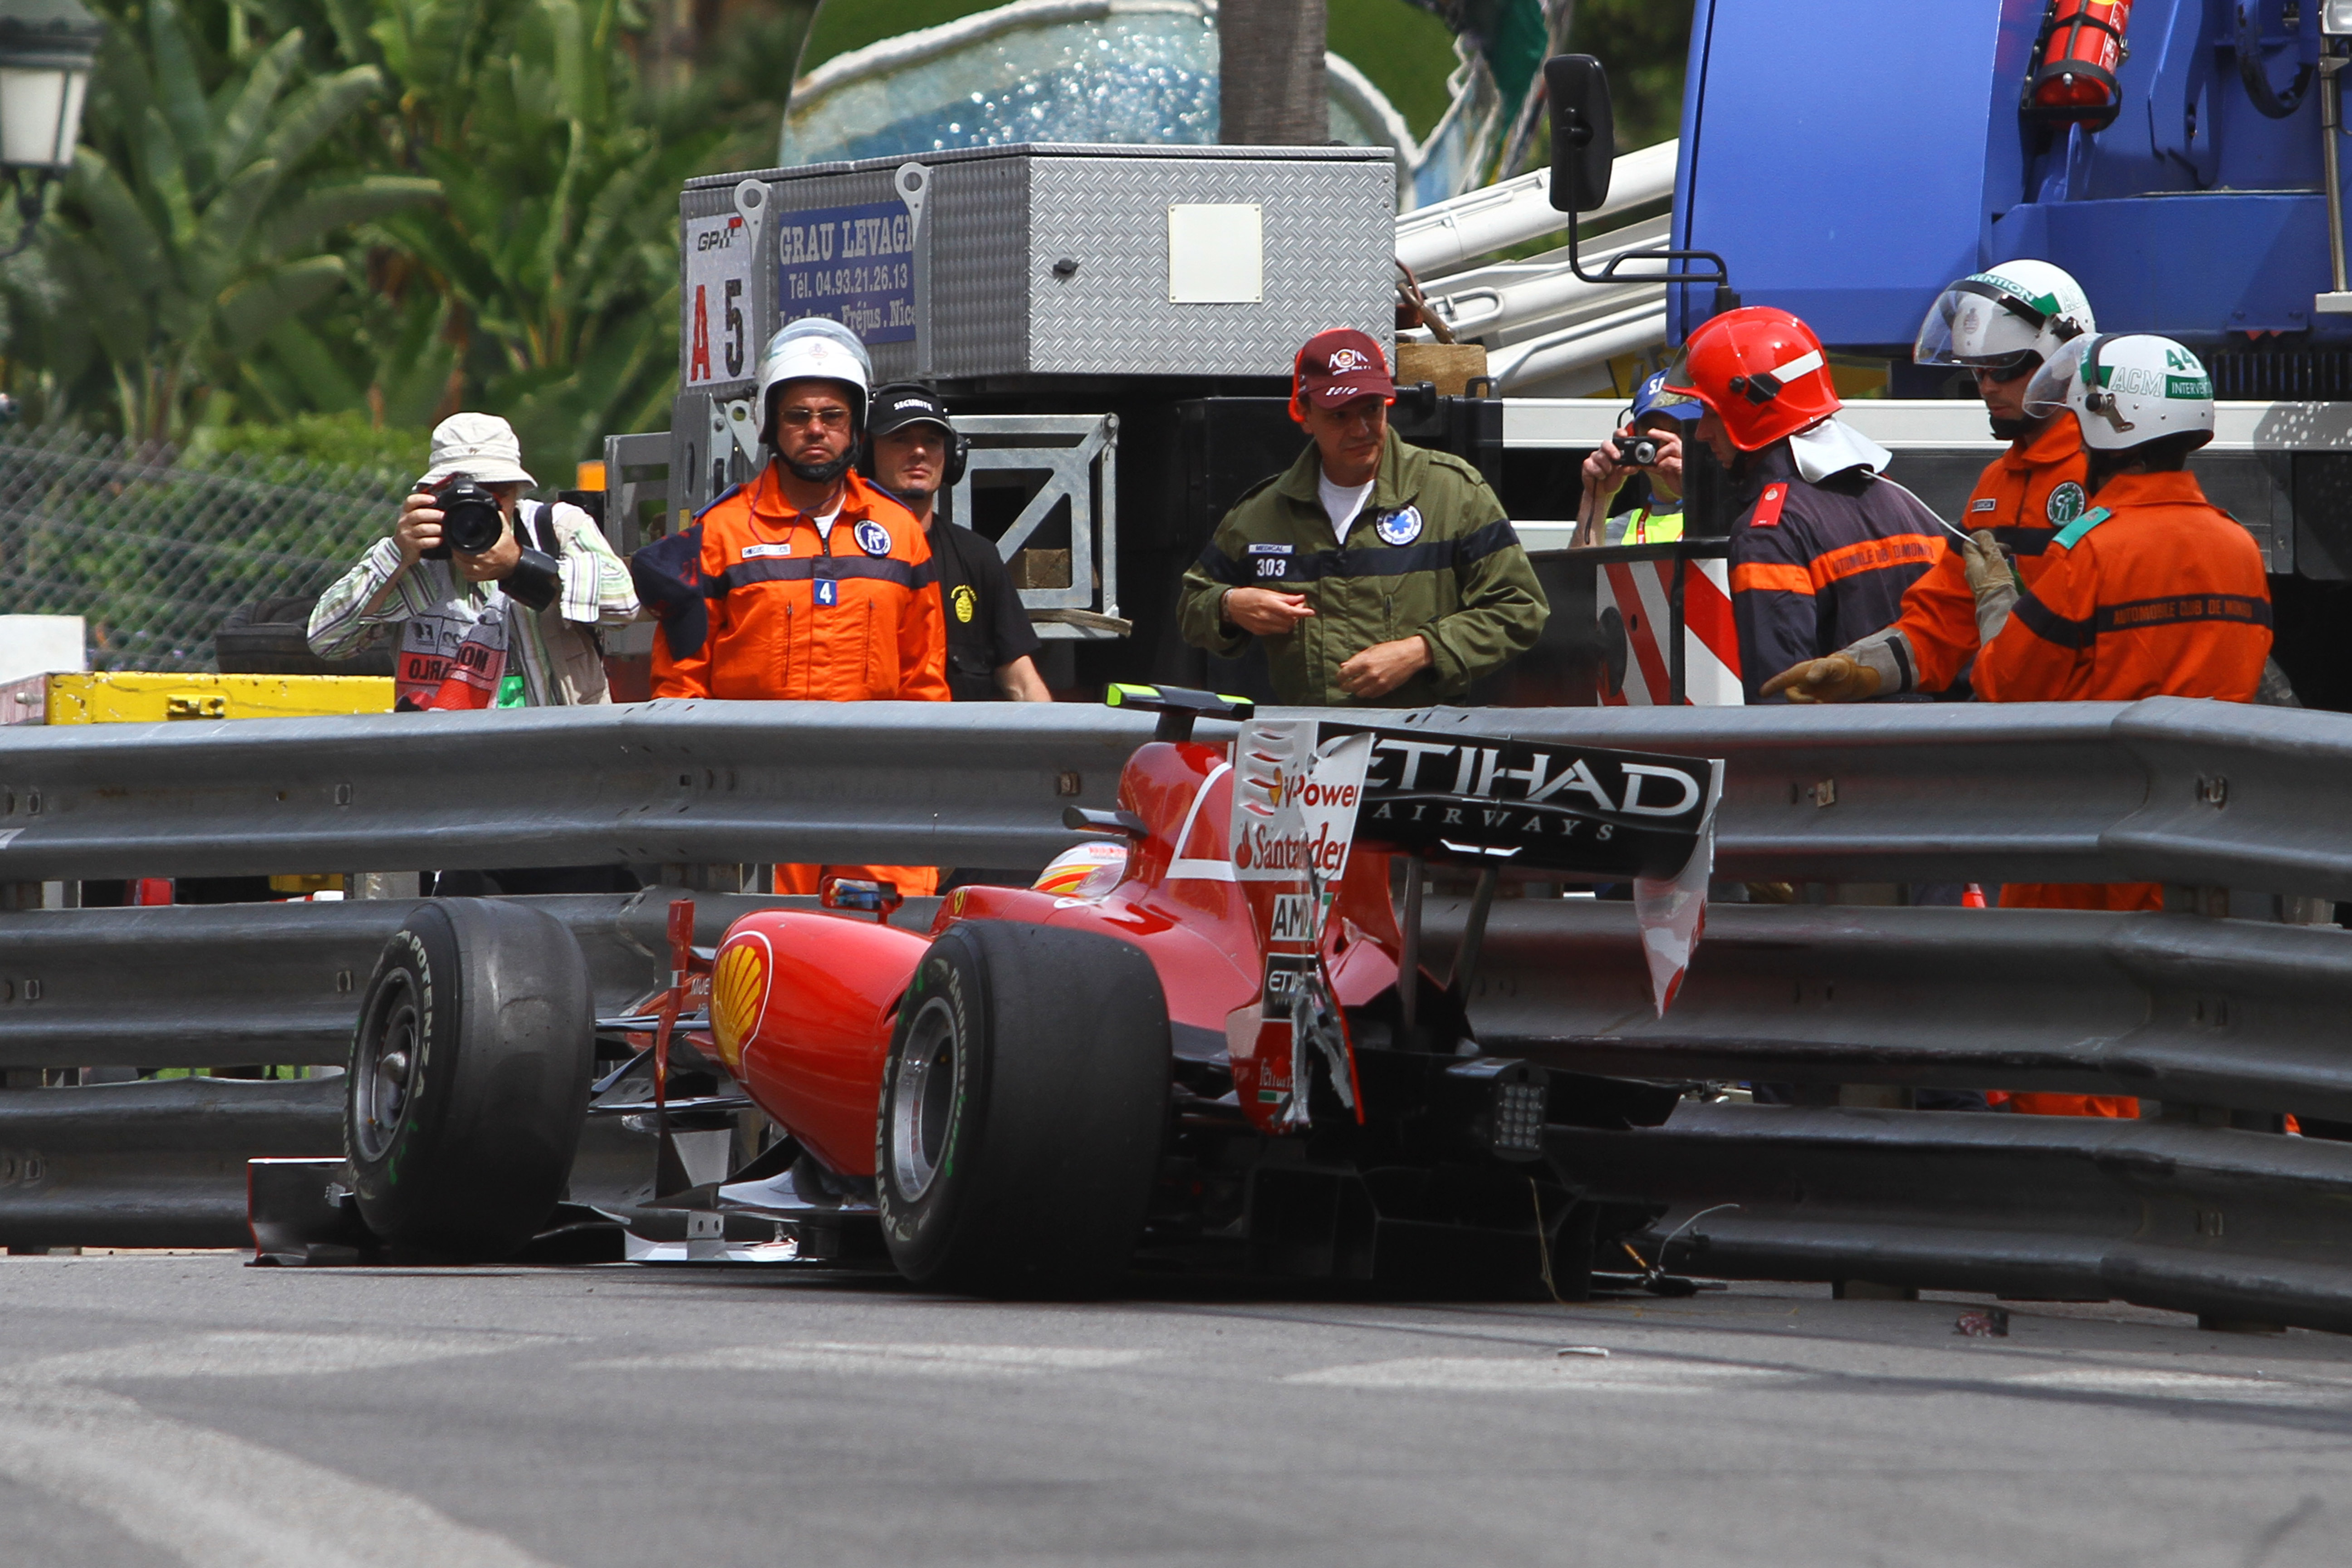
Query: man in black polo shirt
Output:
(912,451)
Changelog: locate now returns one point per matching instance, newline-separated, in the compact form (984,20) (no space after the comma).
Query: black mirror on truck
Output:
(1583,133)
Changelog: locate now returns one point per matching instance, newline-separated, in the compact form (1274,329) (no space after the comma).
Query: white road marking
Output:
(1530,1375)
(217,1501)
(2166,1383)
(890,1359)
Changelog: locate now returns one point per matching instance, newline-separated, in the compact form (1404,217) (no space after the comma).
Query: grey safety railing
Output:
(2224,1020)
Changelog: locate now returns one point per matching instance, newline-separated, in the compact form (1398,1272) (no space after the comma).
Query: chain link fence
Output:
(154,549)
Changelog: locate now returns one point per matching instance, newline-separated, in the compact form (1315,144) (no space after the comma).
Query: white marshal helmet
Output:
(814,349)
(1996,318)
(2126,389)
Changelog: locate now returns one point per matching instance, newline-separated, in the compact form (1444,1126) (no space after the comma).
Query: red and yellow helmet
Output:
(1760,370)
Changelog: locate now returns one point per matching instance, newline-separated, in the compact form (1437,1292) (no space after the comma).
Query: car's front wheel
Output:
(1025,1101)
(468,1078)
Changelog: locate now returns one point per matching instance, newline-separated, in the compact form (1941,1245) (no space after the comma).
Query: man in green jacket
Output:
(1376,573)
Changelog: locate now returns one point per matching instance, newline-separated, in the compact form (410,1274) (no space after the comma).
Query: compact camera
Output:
(470,520)
(1640,451)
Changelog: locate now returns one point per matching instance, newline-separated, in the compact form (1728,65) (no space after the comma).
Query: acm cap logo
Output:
(1346,361)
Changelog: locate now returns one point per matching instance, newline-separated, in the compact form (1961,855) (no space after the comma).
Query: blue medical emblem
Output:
(1401,526)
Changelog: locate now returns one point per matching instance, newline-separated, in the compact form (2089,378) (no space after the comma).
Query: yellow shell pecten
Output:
(738,987)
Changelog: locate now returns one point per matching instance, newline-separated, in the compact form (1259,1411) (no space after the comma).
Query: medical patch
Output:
(1401,526)
(1271,549)
(872,537)
(1985,503)
(2065,504)
(965,601)
(761,551)
(1769,505)
(828,592)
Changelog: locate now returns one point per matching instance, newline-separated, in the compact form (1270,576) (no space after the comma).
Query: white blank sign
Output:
(1217,254)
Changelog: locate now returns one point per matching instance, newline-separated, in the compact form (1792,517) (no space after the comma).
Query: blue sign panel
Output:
(853,265)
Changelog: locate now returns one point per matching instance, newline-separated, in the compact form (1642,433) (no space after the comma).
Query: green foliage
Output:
(348,439)
(1406,51)
(1646,45)
(156,555)
(384,210)
(546,281)
(196,217)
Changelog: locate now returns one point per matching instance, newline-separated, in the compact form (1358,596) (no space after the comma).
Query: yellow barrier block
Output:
(142,697)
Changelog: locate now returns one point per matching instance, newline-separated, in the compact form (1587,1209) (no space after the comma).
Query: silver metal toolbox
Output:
(982,264)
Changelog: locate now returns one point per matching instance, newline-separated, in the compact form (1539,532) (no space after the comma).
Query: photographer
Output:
(1654,431)
(492,611)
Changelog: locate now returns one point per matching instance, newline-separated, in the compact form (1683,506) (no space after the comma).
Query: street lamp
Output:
(46,48)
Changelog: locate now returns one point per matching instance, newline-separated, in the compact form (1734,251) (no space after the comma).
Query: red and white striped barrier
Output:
(1640,596)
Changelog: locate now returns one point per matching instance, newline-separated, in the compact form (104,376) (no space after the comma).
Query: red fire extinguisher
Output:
(2073,81)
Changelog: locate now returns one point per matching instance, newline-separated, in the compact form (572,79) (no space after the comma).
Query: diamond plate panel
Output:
(1000,216)
(1329,235)
(980,260)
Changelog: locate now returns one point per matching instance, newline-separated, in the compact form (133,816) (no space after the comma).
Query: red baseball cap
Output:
(1341,365)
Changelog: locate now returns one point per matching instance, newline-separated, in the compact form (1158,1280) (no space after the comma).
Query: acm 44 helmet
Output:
(2127,390)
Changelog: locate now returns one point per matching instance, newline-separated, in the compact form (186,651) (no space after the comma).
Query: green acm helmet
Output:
(2126,389)
(2006,319)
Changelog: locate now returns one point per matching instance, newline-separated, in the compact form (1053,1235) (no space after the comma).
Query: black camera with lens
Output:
(1640,451)
(470,520)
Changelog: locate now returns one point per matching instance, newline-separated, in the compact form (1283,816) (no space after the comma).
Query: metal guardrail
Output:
(657,783)
(192,986)
(2230,1224)
(157,1163)
(2170,789)
(2236,1014)
(2211,1015)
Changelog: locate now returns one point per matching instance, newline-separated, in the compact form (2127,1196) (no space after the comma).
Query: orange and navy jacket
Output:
(2024,496)
(755,602)
(1816,567)
(2154,592)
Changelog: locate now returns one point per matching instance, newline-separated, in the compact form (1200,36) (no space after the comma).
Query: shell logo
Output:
(739,992)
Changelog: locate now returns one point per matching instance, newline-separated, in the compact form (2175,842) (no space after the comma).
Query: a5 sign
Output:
(717,328)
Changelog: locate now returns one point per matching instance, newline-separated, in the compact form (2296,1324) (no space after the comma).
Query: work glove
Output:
(1869,668)
(1839,677)
(1992,578)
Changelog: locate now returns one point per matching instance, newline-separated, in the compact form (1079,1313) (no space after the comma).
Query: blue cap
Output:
(1651,397)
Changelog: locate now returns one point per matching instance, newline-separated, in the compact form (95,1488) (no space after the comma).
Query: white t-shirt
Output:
(825,523)
(1343,503)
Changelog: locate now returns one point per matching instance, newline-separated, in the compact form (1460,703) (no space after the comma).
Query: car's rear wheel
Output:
(1024,1104)
(468,1078)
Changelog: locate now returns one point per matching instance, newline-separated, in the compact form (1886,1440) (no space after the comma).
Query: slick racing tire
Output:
(469,1079)
(1024,1104)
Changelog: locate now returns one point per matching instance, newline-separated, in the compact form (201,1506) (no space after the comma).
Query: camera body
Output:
(1639,451)
(470,520)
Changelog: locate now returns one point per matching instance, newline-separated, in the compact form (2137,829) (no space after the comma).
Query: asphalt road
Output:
(161,1409)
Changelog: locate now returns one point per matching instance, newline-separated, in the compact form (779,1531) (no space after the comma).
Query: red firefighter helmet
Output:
(1760,370)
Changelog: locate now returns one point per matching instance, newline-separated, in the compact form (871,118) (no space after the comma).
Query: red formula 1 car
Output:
(1189,1038)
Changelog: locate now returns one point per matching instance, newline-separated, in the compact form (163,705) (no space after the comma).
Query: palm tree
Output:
(193,228)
